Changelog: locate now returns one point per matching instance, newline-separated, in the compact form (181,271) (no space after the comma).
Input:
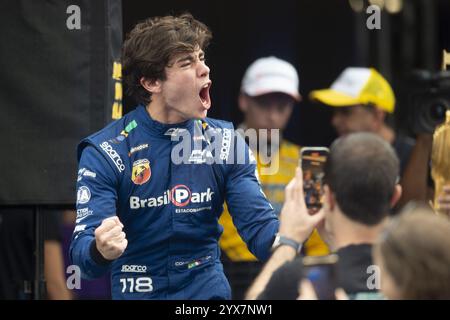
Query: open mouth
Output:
(204,95)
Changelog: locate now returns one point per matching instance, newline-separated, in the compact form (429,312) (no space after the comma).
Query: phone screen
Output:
(312,161)
(322,274)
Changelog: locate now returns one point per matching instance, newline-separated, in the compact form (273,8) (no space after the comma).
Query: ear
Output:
(243,102)
(330,200)
(380,115)
(152,86)
(396,195)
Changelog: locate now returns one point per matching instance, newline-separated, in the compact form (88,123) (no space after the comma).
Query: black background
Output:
(55,88)
(55,84)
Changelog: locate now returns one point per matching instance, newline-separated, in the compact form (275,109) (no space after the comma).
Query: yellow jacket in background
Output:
(273,186)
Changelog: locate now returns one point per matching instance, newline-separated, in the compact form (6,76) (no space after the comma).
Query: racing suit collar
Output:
(158,128)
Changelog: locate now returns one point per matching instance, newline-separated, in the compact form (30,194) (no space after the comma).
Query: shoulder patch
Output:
(113,155)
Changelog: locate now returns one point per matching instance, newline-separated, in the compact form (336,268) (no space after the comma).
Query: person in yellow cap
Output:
(362,99)
(269,92)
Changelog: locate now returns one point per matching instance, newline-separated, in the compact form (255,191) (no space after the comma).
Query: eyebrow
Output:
(190,57)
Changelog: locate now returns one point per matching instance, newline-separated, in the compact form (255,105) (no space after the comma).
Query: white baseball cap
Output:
(270,74)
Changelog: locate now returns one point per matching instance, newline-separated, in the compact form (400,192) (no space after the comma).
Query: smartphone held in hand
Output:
(312,162)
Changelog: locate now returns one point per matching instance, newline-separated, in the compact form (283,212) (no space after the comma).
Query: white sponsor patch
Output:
(79,228)
(173,132)
(115,157)
(83,195)
(83,172)
(138,148)
(134,268)
(226,144)
(200,156)
(192,210)
(179,196)
(83,213)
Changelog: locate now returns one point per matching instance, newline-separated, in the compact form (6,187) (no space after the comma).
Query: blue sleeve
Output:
(96,201)
(251,212)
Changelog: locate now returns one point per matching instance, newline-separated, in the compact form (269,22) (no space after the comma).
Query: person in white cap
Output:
(269,92)
(362,99)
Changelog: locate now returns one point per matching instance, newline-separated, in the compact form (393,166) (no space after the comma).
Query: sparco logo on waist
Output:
(180,196)
(134,268)
(113,155)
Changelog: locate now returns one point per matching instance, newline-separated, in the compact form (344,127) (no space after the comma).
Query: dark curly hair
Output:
(151,45)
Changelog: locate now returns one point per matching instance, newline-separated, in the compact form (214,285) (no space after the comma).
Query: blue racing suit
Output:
(169,209)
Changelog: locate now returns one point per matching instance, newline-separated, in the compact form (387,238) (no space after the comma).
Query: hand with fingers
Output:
(295,221)
(110,240)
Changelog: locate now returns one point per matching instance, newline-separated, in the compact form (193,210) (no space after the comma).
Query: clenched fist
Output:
(110,239)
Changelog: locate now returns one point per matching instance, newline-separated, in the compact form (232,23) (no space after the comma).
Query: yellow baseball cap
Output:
(357,86)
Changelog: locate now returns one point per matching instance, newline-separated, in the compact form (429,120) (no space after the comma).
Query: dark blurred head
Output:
(359,118)
(413,254)
(362,172)
(268,111)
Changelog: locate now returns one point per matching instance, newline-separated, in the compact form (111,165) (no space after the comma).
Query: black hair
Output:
(362,171)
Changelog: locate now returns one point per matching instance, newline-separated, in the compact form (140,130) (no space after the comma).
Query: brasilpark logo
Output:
(180,196)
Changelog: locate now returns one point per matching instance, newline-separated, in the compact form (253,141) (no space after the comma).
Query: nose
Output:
(203,69)
(273,116)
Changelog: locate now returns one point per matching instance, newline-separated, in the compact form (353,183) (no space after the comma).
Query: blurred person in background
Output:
(413,255)
(17,254)
(357,209)
(269,92)
(362,99)
(360,188)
